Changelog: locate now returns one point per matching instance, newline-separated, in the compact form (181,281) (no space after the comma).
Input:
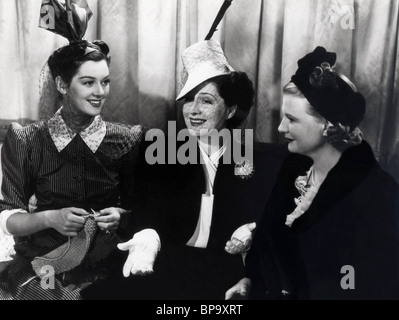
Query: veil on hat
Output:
(68,19)
(198,52)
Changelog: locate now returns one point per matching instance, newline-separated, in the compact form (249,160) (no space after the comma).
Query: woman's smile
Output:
(197,122)
(95,103)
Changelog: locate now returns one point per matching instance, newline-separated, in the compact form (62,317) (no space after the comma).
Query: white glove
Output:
(241,239)
(143,249)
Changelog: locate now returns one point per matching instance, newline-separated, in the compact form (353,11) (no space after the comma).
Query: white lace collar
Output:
(62,135)
(308,191)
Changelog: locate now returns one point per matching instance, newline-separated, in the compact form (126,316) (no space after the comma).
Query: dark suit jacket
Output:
(169,199)
(352,221)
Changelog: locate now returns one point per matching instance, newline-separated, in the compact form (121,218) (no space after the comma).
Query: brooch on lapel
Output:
(244,169)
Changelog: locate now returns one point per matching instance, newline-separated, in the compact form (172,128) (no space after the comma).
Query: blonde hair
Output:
(339,136)
(291,89)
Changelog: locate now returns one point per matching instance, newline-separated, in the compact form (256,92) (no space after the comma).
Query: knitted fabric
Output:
(70,254)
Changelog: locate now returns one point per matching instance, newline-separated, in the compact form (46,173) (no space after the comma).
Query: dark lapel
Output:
(354,165)
(230,195)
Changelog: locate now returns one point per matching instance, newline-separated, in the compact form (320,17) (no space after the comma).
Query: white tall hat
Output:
(202,61)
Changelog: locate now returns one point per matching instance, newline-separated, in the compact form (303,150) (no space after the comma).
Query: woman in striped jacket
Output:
(80,168)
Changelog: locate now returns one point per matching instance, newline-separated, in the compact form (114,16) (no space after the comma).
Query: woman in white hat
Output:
(190,212)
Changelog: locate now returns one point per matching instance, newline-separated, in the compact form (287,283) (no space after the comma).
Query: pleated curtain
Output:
(264,38)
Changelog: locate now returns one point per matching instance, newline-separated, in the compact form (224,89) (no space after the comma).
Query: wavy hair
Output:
(339,136)
(66,61)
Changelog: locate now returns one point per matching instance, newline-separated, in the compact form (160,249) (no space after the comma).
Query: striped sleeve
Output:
(17,179)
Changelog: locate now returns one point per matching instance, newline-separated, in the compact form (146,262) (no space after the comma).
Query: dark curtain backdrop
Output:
(264,38)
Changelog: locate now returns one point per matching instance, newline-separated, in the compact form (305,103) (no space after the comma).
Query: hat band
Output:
(347,81)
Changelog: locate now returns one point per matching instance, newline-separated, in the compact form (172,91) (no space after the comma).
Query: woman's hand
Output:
(241,239)
(67,221)
(240,291)
(143,249)
(109,218)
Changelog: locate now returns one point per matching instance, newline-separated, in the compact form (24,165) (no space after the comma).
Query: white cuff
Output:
(148,236)
(4,215)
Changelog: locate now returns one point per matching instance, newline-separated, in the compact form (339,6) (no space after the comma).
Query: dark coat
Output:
(169,196)
(169,199)
(352,221)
